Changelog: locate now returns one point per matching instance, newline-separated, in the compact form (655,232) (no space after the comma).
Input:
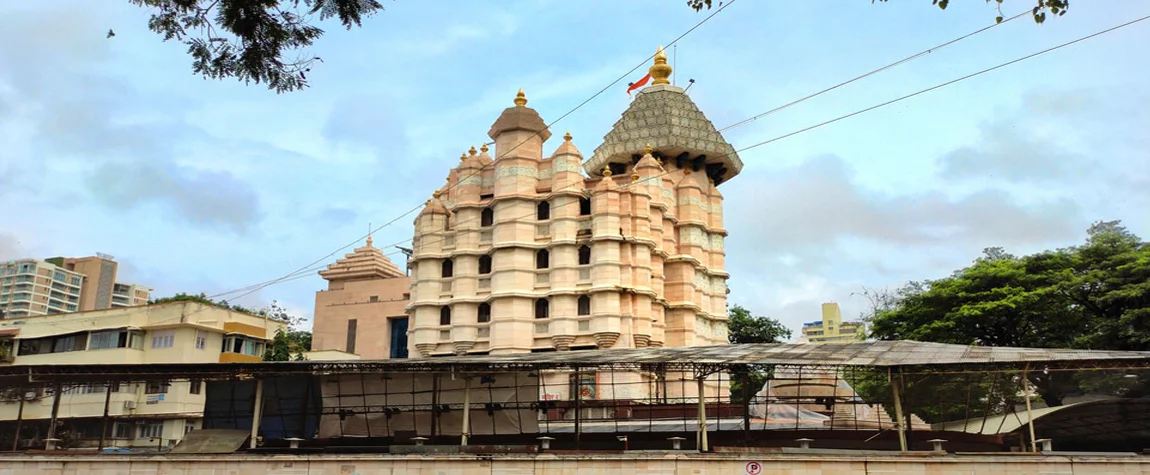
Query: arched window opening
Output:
(445,315)
(543,211)
(584,255)
(484,314)
(584,206)
(584,305)
(484,264)
(542,308)
(448,268)
(487,217)
(542,259)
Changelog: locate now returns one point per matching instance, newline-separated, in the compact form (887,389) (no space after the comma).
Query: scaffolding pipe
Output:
(466,411)
(104,420)
(19,423)
(257,410)
(1029,415)
(899,422)
(702,433)
(55,412)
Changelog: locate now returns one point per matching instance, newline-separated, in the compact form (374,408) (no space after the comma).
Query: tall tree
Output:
(1094,296)
(742,327)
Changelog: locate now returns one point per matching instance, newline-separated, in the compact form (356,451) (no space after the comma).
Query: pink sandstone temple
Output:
(522,252)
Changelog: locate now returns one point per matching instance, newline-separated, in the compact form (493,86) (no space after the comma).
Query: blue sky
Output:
(112,145)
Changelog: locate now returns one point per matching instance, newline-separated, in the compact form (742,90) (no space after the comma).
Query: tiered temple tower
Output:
(522,252)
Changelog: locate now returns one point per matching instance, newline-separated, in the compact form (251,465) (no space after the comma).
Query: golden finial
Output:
(686,171)
(607,171)
(436,194)
(567,136)
(660,71)
(635,176)
(483,148)
(520,98)
(463,156)
(472,152)
(647,150)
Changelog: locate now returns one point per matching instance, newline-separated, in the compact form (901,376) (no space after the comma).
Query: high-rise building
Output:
(139,415)
(362,310)
(832,328)
(524,253)
(57,285)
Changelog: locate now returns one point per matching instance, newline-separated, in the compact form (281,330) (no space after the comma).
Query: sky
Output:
(113,145)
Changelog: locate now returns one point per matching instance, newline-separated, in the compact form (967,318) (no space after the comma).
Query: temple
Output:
(520,252)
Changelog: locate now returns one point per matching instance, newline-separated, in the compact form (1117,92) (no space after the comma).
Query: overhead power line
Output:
(548,126)
(940,86)
(292,276)
(872,72)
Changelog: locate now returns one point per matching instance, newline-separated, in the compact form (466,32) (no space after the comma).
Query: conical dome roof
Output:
(364,263)
(666,118)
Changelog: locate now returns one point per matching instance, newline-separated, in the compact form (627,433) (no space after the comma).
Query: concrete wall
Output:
(637,464)
(372,303)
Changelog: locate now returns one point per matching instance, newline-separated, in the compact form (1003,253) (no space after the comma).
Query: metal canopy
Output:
(875,354)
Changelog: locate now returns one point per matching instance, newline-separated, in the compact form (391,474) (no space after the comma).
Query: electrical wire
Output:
(265,284)
(939,86)
(872,72)
(298,274)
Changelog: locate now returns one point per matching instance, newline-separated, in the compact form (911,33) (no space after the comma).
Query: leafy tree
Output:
(252,40)
(1093,296)
(1055,7)
(289,344)
(742,327)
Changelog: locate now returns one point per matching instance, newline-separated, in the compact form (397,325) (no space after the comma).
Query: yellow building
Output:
(832,328)
(140,415)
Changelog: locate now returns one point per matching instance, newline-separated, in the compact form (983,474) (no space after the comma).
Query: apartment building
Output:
(832,328)
(139,415)
(31,287)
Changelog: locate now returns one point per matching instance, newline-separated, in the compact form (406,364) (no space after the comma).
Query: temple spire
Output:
(368,234)
(521,98)
(660,71)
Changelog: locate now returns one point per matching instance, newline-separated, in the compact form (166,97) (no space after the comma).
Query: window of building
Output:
(352,326)
(54,344)
(484,313)
(542,259)
(153,430)
(584,305)
(242,345)
(123,430)
(59,277)
(543,211)
(373,298)
(584,255)
(163,339)
(119,338)
(156,387)
(76,281)
(201,339)
(487,217)
(484,264)
(584,206)
(448,268)
(445,315)
(542,308)
(194,386)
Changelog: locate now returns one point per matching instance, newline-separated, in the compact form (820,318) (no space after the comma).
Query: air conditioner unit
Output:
(129,404)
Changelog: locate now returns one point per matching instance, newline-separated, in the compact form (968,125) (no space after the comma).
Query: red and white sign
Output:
(754,468)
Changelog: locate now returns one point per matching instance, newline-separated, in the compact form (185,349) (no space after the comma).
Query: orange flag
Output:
(636,85)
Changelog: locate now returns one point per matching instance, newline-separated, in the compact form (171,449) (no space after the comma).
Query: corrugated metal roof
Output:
(865,354)
(868,353)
